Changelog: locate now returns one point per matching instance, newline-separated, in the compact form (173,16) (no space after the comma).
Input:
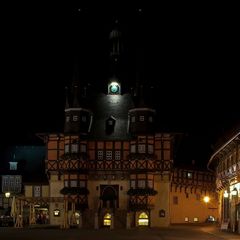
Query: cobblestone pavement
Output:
(170,233)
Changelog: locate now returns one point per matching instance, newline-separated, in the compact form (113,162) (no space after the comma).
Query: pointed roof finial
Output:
(66,101)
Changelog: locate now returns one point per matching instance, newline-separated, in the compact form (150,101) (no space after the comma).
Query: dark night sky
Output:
(190,56)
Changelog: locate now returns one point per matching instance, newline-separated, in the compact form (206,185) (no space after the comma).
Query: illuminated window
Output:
(186,219)
(143,219)
(13,165)
(107,219)
(56,212)
(195,219)
(189,175)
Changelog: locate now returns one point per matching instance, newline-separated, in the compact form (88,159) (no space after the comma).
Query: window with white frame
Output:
(133,149)
(74,148)
(100,154)
(142,148)
(66,148)
(13,165)
(132,184)
(66,183)
(117,155)
(73,183)
(36,191)
(108,155)
(141,183)
(75,118)
(150,149)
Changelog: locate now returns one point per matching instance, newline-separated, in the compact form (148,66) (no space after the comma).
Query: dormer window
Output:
(110,123)
(75,118)
(13,165)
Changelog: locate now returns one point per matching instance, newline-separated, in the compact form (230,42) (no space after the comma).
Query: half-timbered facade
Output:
(110,166)
(226,163)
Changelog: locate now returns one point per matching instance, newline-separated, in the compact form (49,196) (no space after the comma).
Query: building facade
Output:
(226,163)
(111,167)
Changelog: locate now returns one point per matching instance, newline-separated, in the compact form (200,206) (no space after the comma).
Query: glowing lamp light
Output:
(56,212)
(206,199)
(225,195)
(7,194)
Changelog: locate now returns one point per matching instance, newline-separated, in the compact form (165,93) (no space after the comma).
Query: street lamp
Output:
(225,195)
(7,194)
(206,199)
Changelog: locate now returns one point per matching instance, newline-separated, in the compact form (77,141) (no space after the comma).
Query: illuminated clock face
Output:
(114,88)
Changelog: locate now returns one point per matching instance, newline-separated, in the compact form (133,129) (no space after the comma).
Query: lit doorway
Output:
(143,219)
(107,220)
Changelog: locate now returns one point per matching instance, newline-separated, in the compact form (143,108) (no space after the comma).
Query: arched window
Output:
(107,219)
(143,219)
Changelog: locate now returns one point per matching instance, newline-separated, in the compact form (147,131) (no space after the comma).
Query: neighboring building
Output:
(226,163)
(193,196)
(112,167)
(22,165)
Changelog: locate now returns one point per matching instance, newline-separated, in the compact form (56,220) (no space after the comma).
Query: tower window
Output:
(150,119)
(13,165)
(84,118)
(133,119)
(75,118)
(67,118)
(141,118)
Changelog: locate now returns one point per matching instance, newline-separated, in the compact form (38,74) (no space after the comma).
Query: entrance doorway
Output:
(107,220)
(143,219)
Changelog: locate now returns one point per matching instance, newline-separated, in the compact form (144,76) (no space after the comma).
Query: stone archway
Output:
(109,197)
